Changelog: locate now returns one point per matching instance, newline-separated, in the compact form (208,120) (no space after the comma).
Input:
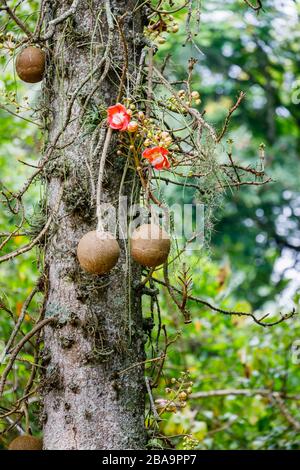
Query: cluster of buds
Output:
(174,105)
(9,98)
(190,98)
(179,391)
(7,42)
(177,103)
(190,443)
(125,117)
(157,137)
(165,23)
(153,136)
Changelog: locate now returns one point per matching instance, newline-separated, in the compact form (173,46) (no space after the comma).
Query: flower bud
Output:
(195,95)
(165,135)
(132,126)
(171,408)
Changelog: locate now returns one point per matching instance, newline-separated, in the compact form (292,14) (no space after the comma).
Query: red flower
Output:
(157,156)
(118,117)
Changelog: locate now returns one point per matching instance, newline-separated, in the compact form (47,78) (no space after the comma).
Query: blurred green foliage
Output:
(257,54)
(19,142)
(254,263)
(227,352)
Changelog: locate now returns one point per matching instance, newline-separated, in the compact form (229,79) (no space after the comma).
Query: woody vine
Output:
(159,132)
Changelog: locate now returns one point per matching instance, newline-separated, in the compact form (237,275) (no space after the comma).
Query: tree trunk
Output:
(89,403)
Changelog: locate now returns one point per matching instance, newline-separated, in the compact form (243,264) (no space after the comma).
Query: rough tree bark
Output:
(87,403)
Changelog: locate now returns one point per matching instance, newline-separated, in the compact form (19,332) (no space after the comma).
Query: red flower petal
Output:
(159,166)
(116,108)
(163,151)
(154,153)
(166,163)
(117,117)
(147,153)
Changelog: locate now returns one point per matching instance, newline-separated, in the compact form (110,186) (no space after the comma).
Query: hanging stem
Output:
(100,227)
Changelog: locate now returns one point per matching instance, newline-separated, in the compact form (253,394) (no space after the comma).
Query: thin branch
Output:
(141,363)
(152,404)
(150,82)
(256,7)
(169,12)
(180,305)
(35,241)
(247,169)
(178,183)
(18,115)
(228,117)
(285,412)
(229,312)
(100,178)
(20,320)
(245,183)
(53,23)
(16,19)
(18,348)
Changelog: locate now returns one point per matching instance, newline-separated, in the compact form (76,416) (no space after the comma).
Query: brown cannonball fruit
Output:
(150,245)
(26,443)
(98,252)
(30,64)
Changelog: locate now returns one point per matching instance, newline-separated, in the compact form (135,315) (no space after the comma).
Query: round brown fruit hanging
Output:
(98,252)
(30,64)
(150,245)
(26,443)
